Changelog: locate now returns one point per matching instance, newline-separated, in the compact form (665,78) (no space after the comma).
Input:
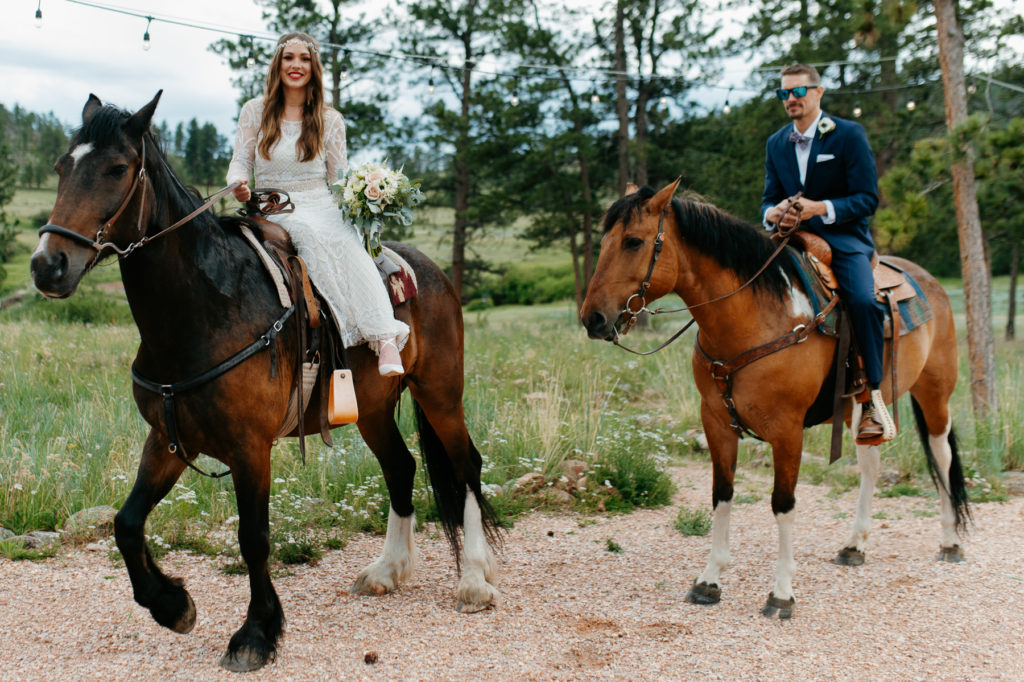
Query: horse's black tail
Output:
(450,485)
(957,490)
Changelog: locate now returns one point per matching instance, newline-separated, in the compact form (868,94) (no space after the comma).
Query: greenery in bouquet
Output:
(374,196)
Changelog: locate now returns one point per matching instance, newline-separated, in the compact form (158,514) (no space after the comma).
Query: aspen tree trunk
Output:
(621,103)
(977,282)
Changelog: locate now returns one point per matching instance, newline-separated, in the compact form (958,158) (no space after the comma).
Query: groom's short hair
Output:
(796,69)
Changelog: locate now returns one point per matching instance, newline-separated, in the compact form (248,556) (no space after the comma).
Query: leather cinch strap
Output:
(168,391)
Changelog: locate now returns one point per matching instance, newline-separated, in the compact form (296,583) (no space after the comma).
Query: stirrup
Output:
(875,406)
(389,369)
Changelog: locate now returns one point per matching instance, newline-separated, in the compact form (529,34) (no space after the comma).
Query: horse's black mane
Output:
(106,127)
(731,242)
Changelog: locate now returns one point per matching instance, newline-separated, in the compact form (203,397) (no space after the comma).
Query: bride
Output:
(295,142)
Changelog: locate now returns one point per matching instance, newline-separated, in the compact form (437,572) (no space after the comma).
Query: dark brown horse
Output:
(706,256)
(198,295)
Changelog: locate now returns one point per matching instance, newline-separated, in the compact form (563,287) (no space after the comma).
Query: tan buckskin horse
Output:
(707,255)
(199,294)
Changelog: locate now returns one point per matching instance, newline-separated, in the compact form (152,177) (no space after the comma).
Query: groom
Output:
(830,161)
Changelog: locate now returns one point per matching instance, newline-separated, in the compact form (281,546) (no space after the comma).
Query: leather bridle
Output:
(659,242)
(139,182)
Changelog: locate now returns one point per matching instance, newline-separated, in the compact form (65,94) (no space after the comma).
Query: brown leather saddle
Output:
(891,283)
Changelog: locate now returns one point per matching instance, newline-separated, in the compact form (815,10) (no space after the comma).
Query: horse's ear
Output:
(631,189)
(92,105)
(660,200)
(139,122)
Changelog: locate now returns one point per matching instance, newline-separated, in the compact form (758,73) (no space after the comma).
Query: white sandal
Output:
(389,361)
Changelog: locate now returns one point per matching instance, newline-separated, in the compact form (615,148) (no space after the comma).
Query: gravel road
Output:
(571,609)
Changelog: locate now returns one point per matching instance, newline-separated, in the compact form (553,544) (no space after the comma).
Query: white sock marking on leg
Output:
(786,567)
(719,557)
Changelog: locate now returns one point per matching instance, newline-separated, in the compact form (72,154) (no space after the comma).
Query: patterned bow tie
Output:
(801,140)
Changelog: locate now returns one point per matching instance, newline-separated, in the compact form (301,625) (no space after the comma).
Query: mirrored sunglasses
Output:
(798,92)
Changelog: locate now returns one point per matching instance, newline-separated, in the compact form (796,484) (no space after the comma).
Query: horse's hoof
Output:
(953,555)
(473,598)
(783,608)
(849,556)
(702,593)
(175,609)
(370,587)
(246,659)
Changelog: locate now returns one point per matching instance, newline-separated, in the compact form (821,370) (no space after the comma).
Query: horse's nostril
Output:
(47,268)
(60,267)
(596,320)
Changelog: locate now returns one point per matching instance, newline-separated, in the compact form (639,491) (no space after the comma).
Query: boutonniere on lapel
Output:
(826,125)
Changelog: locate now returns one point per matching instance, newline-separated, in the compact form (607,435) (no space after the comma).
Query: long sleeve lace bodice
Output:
(331,246)
(283,169)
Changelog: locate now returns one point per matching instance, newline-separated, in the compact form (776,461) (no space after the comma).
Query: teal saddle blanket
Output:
(914,309)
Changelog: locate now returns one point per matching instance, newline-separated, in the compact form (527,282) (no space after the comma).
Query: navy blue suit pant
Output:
(857,290)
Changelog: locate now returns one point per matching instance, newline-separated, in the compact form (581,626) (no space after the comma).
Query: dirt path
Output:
(572,609)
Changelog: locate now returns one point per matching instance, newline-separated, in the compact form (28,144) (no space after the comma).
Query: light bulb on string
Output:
(857,111)
(911,105)
(727,108)
(515,93)
(972,88)
(146,44)
(594,98)
(251,60)
(39,14)
(664,101)
(344,66)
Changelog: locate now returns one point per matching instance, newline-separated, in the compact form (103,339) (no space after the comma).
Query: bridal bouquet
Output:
(373,196)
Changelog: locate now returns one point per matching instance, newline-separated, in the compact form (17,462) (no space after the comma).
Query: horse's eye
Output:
(118,171)
(633,243)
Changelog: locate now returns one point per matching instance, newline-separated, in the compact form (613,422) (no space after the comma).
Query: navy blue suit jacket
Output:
(849,180)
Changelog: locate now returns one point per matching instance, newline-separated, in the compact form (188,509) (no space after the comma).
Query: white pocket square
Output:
(825,157)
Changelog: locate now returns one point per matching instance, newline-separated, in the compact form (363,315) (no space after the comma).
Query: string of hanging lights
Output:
(533,71)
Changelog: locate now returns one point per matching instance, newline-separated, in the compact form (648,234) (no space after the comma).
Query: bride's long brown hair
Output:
(311,139)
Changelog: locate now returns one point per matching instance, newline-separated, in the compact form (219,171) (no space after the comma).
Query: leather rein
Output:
(139,182)
(641,293)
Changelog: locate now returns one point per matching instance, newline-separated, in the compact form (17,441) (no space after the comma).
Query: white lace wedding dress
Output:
(332,246)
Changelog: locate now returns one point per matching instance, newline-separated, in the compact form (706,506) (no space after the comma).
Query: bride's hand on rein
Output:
(242,192)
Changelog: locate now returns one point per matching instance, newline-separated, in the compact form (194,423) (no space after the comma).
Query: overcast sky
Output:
(80,49)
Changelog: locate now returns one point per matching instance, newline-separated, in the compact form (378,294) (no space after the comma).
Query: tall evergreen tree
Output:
(468,28)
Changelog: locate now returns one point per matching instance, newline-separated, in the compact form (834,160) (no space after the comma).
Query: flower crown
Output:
(310,44)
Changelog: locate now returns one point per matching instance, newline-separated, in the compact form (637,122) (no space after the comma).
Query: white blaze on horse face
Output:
(79,151)
(41,246)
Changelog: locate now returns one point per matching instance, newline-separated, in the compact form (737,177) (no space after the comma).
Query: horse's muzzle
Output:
(599,326)
(50,273)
